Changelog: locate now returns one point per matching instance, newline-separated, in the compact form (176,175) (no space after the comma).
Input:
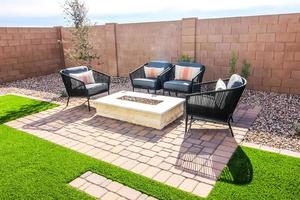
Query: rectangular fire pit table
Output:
(149,110)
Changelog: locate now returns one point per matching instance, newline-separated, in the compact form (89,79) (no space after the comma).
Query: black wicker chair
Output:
(184,86)
(213,104)
(138,78)
(77,88)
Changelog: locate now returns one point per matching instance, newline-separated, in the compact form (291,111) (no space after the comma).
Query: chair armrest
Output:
(137,73)
(203,104)
(202,93)
(210,82)
(211,92)
(165,75)
(199,76)
(209,85)
(101,77)
(197,79)
(78,82)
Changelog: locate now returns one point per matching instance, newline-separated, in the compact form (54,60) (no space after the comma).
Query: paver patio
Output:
(189,161)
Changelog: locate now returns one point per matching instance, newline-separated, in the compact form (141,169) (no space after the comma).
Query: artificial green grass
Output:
(13,107)
(256,174)
(32,168)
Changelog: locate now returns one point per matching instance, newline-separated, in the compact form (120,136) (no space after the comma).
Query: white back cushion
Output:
(220,85)
(234,81)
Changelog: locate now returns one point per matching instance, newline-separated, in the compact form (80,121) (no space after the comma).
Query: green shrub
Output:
(232,63)
(185,58)
(245,69)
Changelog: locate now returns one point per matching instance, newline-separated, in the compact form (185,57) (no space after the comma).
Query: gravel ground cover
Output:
(274,125)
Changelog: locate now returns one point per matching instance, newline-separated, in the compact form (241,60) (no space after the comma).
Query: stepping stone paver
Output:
(95,190)
(106,189)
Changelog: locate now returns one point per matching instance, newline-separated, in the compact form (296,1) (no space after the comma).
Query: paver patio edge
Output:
(34,97)
(272,149)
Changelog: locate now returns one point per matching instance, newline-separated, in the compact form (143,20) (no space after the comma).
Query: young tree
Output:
(82,50)
(232,63)
(245,72)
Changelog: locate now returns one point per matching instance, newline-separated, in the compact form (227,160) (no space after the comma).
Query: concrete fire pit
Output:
(149,110)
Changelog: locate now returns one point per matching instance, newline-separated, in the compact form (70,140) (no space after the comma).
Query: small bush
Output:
(185,58)
(232,63)
(245,69)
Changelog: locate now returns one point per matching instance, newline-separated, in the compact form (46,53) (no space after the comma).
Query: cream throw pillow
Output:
(86,77)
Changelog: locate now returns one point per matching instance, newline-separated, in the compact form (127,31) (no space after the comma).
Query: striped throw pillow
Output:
(86,77)
(186,73)
(153,72)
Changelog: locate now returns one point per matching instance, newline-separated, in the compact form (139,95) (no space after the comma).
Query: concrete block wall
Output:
(28,52)
(270,43)
(188,37)
(138,43)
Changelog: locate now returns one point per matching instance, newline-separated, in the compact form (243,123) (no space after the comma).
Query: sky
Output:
(49,12)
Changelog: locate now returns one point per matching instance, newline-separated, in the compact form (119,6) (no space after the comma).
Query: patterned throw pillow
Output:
(86,77)
(153,72)
(186,73)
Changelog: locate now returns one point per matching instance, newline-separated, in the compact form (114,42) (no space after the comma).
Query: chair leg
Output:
(154,91)
(186,122)
(148,90)
(169,93)
(132,89)
(88,100)
(68,100)
(191,121)
(176,94)
(229,124)
(108,92)
(163,92)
